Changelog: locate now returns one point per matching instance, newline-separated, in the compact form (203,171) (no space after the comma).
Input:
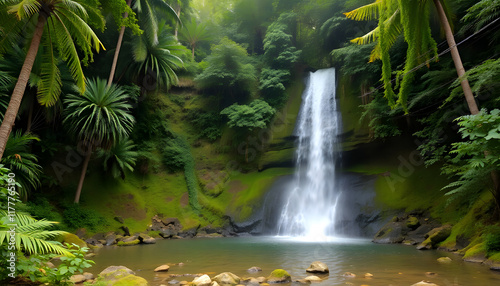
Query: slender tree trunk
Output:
(17,95)
(82,176)
(178,12)
(192,50)
(117,50)
(471,102)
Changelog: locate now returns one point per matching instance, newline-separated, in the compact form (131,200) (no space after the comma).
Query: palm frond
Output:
(365,13)
(25,9)
(49,85)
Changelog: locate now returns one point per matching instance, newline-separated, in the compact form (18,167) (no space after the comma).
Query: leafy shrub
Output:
(208,124)
(41,208)
(176,154)
(492,239)
(75,216)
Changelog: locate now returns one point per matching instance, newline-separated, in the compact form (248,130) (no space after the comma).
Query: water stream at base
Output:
(311,204)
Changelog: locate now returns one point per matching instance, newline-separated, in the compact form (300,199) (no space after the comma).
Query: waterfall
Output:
(311,203)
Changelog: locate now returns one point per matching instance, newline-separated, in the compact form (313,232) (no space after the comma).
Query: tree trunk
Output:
(192,50)
(82,176)
(17,95)
(178,12)
(117,50)
(469,97)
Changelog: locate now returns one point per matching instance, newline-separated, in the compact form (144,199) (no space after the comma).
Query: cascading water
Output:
(310,208)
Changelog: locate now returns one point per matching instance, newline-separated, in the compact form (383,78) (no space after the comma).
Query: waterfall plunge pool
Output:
(390,264)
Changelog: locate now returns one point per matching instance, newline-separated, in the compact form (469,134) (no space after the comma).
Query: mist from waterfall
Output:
(311,203)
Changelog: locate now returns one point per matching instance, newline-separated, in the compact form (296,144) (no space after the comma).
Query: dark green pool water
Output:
(390,264)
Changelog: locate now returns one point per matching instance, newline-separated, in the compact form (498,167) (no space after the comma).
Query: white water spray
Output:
(310,208)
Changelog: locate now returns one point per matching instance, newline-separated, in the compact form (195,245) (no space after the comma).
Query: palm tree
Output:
(119,158)
(147,11)
(100,118)
(411,18)
(155,61)
(18,158)
(193,33)
(60,25)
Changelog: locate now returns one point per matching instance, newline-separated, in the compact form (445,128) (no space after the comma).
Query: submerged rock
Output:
(318,267)
(368,275)
(424,283)
(313,279)
(227,278)
(254,269)
(444,260)
(349,275)
(162,268)
(279,276)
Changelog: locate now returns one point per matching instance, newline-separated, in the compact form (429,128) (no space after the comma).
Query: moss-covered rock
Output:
(120,276)
(72,239)
(412,223)
(279,276)
(128,243)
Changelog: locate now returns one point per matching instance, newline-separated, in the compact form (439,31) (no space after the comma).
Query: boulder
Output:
(279,276)
(110,239)
(368,275)
(203,280)
(214,283)
(261,279)
(128,242)
(444,260)
(120,275)
(435,236)
(126,231)
(392,232)
(424,283)
(88,275)
(252,282)
(227,278)
(111,269)
(77,278)
(318,267)
(72,239)
(254,269)
(162,268)
(412,223)
(313,279)
(146,239)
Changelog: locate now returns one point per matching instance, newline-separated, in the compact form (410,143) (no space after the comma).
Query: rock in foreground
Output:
(279,276)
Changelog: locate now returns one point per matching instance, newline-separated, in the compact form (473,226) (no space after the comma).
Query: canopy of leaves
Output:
(248,117)
(228,69)
(278,47)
